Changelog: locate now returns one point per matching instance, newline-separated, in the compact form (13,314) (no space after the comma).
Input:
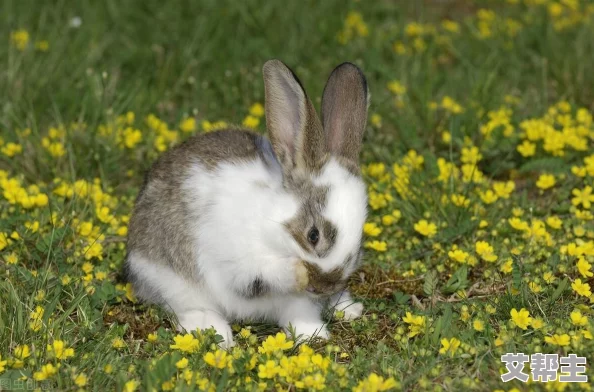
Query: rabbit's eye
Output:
(313,236)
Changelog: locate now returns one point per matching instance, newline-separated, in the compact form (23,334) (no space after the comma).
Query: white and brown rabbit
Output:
(231,226)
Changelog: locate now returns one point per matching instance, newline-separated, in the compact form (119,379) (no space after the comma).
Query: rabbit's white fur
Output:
(238,237)
(232,226)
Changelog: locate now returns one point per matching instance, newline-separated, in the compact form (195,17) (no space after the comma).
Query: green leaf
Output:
(550,165)
(458,281)
(443,324)
(559,290)
(400,297)
(431,281)
(516,274)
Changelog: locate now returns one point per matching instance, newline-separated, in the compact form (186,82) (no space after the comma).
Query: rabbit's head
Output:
(320,166)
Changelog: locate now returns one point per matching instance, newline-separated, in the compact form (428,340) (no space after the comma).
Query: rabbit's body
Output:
(230,227)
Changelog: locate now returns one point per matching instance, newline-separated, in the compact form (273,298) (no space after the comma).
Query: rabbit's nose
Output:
(312,289)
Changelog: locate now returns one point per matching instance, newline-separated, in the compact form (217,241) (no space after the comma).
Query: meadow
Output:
(478,156)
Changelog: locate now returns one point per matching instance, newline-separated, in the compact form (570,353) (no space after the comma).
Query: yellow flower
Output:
(534,287)
(207,126)
(450,105)
(413,160)
(268,370)
(399,47)
(376,120)
(55,149)
(518,224)
(580,288)
(387,220)
(182,363)
(527,149)
(245,333)
(22,351)
(396,87)
(423,227)
(2,364)
(80,380)
(554,222)
(118,343)
(584,267)
(376,170)
(521,319)
(131,137)
(460,201)
(11,149)
(103,214)
(577,318)
(20,39)
(186,343)
(504,189)
(4,241)
(416,324)
(507,267)
(548,277)
(36,319)
(93,250)
(471,155)
(188,124)
(371,229)
(545,181)
(485,250)
(274,343)
(251,122)
(131,386)
(41,200)
(379,246)
(376,383)
(458,255)
(536,323)
(11,258)
(257,110)
(488,197)
(152,337)
(42,46)
(450,25)
(579,171)
(46,372)
(218,359)
(478,325)
(59,350)
(584,197)
(558,340)
(449,346)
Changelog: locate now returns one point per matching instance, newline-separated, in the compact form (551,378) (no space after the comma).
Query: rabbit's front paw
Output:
(353,311)
(343,304)
(205,319)
(304,331)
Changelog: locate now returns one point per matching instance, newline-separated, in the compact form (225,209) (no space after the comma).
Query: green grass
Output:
(203,59)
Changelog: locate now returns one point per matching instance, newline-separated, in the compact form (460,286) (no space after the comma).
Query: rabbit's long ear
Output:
(344,111)
(295,130)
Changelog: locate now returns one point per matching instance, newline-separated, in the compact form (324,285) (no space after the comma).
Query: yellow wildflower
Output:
(521,318)
(425,228)
(218,359)
(558,340)
(186,343)
(449,346)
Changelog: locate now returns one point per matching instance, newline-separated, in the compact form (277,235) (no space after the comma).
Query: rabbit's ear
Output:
(295,130)
(344,111)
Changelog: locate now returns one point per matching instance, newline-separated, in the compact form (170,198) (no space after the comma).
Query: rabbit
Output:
(230,225)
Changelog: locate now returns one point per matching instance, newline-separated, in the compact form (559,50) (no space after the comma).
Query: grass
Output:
(476,245)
